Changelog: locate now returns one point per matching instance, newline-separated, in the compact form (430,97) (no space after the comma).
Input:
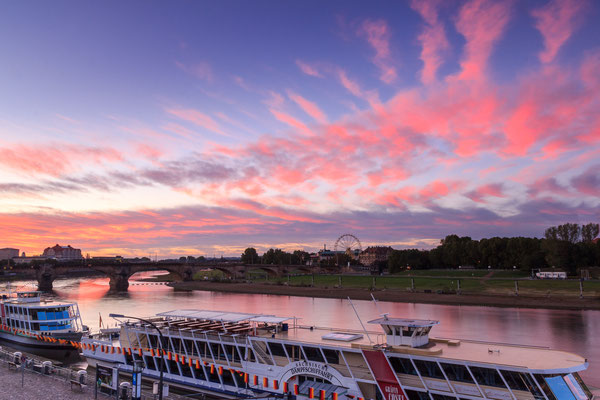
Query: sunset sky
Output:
(204,127)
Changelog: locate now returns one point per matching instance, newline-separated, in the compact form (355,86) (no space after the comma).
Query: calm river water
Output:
(574,331)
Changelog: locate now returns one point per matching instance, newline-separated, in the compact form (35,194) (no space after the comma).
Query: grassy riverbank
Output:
(498,288)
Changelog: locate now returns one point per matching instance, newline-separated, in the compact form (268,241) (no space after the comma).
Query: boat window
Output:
(332,356)
(583,385)
(561,388)
(313,354)
(457,372)
(387,329)
(277,349)
(129,359)
(294,352)
(415,395)
(251,356)
(189,347)
(201,347)
(149,362)
(242,352)
(406,331)
(429,369)
(231,353)
(227,377)
(217,351)
(199,372)
(213,376)
(442,397)
(515,380)
(488,377)
(173,367)
(238,377)
(186,370)
(403,366)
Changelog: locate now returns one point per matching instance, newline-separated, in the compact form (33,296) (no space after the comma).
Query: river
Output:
(573,331)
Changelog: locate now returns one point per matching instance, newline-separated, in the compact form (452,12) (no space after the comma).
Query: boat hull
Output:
(56,351)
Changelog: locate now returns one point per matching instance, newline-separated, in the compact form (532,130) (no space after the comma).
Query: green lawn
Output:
(471,281)
(445,273)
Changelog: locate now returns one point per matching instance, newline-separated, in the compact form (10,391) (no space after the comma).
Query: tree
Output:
(300,257)
(559,253)
(569,232)
(589,232)
(250,256)
(551,233)
(276,256)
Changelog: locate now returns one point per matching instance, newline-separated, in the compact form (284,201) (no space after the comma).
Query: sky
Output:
(202,128)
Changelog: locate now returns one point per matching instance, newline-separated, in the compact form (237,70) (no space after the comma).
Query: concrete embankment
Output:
(551,302)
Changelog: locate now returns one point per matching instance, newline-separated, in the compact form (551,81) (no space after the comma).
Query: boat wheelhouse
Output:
(250,355)
(40,326)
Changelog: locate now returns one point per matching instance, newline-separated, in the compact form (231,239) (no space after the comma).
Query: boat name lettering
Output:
(305,367)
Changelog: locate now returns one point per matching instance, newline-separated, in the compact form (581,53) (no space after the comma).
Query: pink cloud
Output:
(54,158)
(68,119)
(291,121)
(309,107)
(201,70)
(556,21)
(433,39)
(482,23)
(150,152)
(489,190)
(308,69)
(271,211)
(349,84)
(197,118)
(588,182)
(378,36)
(242,83)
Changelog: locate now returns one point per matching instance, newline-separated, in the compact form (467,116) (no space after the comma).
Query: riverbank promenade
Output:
(35,386)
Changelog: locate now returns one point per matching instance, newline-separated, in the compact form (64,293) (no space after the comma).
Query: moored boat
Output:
(251,355)
(39,326)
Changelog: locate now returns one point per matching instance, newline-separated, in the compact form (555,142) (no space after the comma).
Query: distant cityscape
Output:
(368,257)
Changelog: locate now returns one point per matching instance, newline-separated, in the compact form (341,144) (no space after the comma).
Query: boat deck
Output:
(531,357)
(215,324)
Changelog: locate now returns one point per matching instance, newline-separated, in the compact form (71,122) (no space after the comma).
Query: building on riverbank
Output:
(63,253)
(8,253)
(373,254)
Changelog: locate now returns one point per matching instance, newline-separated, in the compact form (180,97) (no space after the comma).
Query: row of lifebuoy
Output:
(42,338)
(213,368)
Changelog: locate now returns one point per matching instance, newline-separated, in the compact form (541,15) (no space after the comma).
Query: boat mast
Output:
(360,320)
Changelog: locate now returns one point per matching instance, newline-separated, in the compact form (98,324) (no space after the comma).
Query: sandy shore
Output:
(568,303)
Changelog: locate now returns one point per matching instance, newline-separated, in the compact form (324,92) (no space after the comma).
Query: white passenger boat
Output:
(44,327)
(254,355)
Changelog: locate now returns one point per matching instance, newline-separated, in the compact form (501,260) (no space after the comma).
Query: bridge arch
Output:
(119,273)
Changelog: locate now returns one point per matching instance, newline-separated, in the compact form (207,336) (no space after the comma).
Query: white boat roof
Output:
(413,323)
(225,316)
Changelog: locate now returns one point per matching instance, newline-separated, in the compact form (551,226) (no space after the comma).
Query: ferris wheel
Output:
(347,243)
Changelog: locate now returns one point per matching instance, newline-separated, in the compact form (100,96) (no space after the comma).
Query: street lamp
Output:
(162,359)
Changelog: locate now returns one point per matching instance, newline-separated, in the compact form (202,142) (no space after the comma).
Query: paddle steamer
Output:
(232,354)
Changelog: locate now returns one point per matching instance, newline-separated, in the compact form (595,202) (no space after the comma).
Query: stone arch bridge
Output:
(119,273)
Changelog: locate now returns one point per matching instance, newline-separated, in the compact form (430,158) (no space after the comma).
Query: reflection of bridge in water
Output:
(119,273)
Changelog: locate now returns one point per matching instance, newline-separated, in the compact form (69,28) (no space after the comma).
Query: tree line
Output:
(568,246)
(275,256)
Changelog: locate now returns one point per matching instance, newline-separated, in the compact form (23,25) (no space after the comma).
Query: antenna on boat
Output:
(360,320)
(384,315)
